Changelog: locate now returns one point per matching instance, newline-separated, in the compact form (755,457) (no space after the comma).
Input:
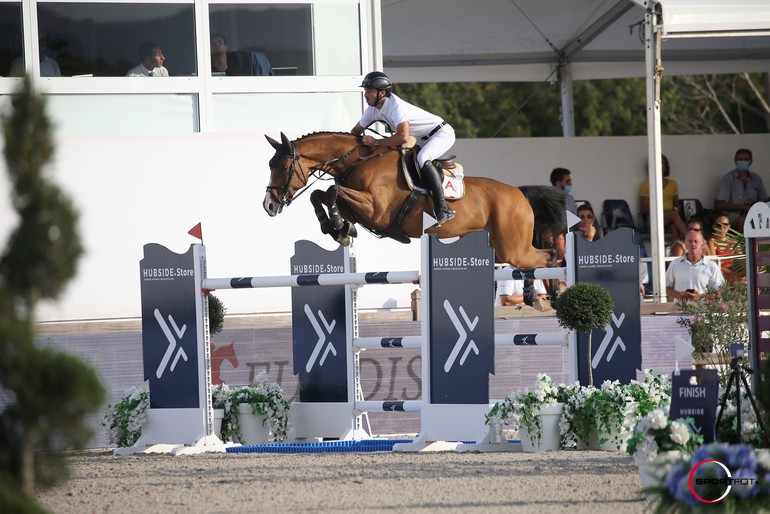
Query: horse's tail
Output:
(548,206)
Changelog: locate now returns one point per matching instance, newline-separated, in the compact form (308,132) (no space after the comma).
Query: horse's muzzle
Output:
(272,207)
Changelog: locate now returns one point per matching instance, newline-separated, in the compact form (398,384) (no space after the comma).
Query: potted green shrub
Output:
(583,307)
(714,321)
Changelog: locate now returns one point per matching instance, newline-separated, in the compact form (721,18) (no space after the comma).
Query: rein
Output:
(317,171)
(295,167)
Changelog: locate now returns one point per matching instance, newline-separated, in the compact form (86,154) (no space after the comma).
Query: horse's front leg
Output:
(343,226)
(318,200)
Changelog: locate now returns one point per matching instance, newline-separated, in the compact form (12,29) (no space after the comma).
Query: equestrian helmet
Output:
(377,80)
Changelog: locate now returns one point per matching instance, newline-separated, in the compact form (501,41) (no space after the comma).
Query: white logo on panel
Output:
(321,338)
(609,332)
(462,336)
(172,342)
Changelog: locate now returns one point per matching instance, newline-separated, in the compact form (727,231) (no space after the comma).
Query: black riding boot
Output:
(432,179)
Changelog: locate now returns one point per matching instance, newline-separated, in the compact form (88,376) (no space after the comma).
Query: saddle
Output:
(452,171)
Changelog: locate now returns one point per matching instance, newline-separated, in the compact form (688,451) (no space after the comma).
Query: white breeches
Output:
(438,145)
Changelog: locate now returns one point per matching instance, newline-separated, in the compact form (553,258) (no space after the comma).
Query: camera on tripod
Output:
(738,376)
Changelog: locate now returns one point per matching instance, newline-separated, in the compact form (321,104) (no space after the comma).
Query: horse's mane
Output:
(329,133)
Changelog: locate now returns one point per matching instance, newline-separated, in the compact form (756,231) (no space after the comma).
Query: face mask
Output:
(742,165)
(567,189)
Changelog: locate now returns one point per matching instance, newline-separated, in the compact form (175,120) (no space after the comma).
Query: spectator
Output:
(562,178)
(587,225)
(689,275)
(152,62)
(739,189)
(678,248)
(240,63)
(48,66)
(720,244)
(511,292)
(671,218)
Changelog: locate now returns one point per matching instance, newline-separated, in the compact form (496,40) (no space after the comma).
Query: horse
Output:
(218,357)
(370,189)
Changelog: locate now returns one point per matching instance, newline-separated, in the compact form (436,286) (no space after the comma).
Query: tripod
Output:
(737,376)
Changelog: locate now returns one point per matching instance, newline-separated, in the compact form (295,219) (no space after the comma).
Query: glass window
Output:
(105,40)
(11,42)
(285,39)
(124,114)
(268,112)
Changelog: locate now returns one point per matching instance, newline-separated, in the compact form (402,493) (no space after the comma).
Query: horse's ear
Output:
(275,144)
(285,140)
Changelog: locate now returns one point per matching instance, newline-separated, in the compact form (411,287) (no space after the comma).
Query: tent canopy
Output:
(525,40)
(532,40)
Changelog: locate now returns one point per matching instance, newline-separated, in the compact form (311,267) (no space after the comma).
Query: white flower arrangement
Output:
(124,420)
(656,433)
(521,409)
(221,396)
(577,418)
(266,399)
(610,409)
(727,429)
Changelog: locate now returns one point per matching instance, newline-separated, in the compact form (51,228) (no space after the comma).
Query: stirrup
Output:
(444,215)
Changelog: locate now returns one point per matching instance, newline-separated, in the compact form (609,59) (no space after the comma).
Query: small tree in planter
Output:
(584,307)
(217,311)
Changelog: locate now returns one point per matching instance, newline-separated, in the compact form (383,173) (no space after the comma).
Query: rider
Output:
(435,135)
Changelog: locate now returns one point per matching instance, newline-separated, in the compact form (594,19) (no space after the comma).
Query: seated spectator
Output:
(587,225)
(720,244)
(561,178)
(152,62)
(688,276)
(511,292)
(644,277)
(238,63)
(739,189)
(671,218)
(678,248)
(48,66)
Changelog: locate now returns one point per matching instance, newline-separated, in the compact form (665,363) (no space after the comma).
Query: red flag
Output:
(197,231)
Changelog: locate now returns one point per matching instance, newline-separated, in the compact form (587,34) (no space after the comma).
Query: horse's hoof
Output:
(344,241)
(351,230)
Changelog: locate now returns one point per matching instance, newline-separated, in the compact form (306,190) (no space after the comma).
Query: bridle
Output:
(281,193)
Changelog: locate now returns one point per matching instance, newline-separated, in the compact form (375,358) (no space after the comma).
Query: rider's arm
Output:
(397,139)
(357,129)
(400,137)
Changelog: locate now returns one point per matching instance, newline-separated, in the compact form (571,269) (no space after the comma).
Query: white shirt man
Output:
(688,276)
(511,292)
(152,62)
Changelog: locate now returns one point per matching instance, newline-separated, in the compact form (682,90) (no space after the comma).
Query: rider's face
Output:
(372,96)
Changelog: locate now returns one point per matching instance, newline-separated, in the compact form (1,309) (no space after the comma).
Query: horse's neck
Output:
(318,150)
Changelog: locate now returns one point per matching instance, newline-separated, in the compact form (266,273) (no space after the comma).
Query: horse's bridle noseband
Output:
(282,192)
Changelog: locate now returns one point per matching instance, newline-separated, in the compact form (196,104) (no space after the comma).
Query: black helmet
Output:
(377,80)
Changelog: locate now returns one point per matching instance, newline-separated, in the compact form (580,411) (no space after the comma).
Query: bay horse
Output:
(370,189)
